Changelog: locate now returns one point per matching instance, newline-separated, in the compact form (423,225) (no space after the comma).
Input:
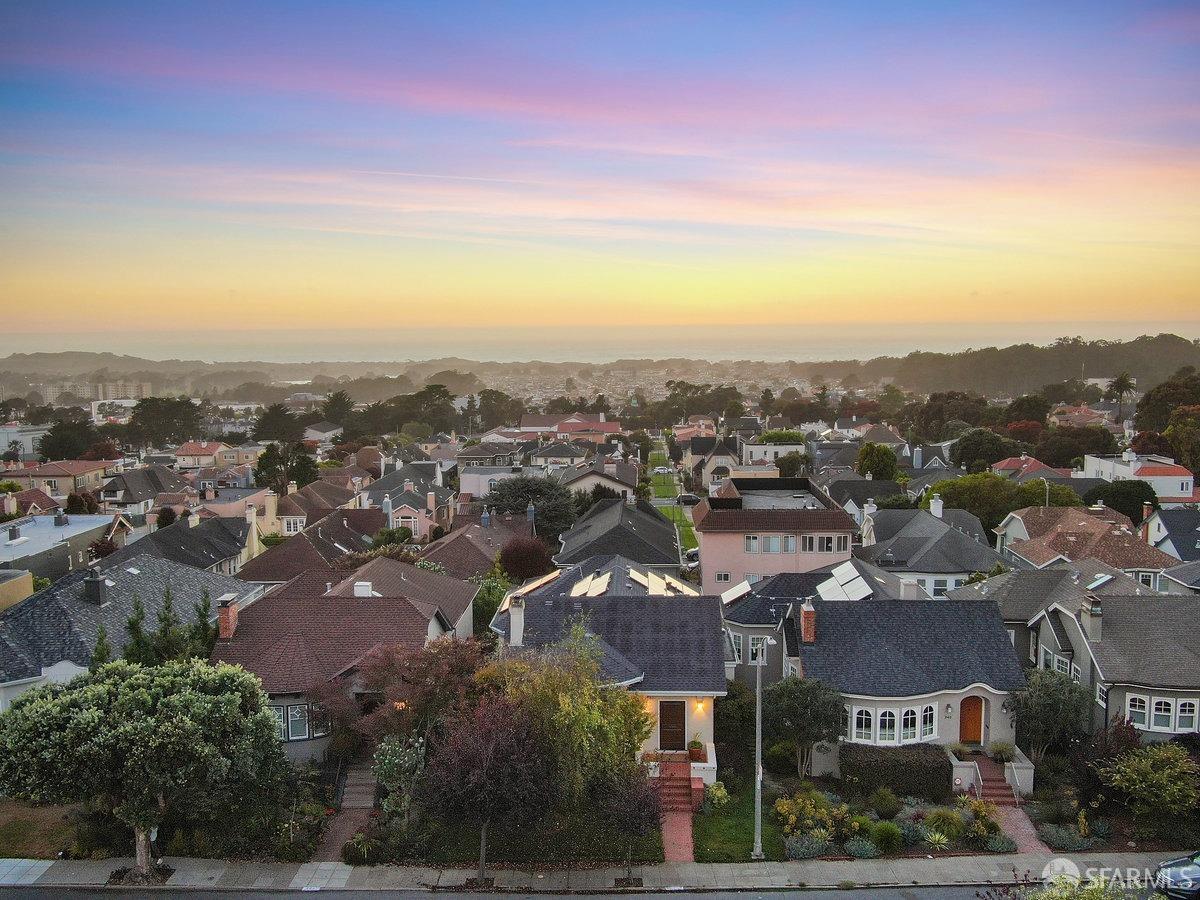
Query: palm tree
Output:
(1119,388)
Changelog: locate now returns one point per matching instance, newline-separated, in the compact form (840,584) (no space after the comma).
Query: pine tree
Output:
(202,634)
(170,640)
(103,651)
(138,649)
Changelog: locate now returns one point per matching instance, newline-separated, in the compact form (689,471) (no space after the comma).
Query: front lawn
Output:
(687,534)
(665,486)
(727,835)
(34,832)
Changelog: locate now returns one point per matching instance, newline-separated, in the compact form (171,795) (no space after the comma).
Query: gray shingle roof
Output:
(1023,593)
(58,623)
(913,540)
(203,545)
(910,647)
(860,490)
(1186,573)
(1183,528)
(1150,641)
(639,532)
(146,483)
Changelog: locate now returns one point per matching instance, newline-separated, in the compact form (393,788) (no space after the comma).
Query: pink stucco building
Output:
(752,528)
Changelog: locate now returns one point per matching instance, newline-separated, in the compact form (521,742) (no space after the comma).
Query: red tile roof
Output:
(200,448)
(1163,470)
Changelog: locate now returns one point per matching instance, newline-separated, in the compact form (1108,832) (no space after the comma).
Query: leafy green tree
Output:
(164,420)
(978,448)
(1183,431)
(388,537)
(782,436)
(991,497)
(804,711)
(525,557)
(1061,447)
(554,509)
(81,504)
(976,577)
(1029,408)
(67,440)
(1124,496)
(498,408)
(166,516)
(142,743)
(1118,389)
(1049,712)
(102,653)
(1148,443)
(1155,408)
(791,464)
(278,423)
(878,461)
(280,464)
(337,408)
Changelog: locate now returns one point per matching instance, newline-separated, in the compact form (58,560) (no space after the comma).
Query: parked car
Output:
(692,555)
(688,499)
(1179,877)
(663,470)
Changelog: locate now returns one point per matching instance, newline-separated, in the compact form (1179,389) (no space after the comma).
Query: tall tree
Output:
(525,557)
(337,407)
(1126,496)
(163,420)
(878,461)
(554,509)
(278,423)
(1049,712)
(142,743)
(67,440)
(804,711)
(791,464)
(1183,431)
(978,448)
(1118,389)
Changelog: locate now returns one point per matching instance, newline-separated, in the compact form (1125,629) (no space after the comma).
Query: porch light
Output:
(700,707)
(949,710)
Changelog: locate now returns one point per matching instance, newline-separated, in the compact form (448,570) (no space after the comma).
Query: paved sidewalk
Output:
(953,870)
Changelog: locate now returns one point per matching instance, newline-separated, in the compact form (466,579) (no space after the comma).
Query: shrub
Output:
(1159,783)
(946,822)
(715,796)
(935,840)
(1057,808)
(885,803)
(861,848)
(1003,751)
(961,751)
(1102,828)
(1097,752)
(780,758)
(808,810)
(1000,843)
(805,846)
(1062,837)
(913,832)
(887,837)
(922,770)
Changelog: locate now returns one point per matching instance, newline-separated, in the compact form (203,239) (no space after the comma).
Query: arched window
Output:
(1163,714)
(1136,708)
(928,721)
(887,727)
(1186,716)
(863,725)
(908,726)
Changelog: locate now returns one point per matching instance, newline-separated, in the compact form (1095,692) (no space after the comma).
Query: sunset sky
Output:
(387,165)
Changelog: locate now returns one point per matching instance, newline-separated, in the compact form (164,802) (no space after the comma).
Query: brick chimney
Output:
(431,502)
(1147,511)
(227,614)
(808,623)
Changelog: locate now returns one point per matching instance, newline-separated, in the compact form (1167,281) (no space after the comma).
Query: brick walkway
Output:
(677,836)
(358,798)
(1016,825)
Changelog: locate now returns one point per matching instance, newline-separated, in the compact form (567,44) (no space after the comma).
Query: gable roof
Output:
(1075,533)
(317,547)
(203,545)
(1022,593)
(35,497)
(1182,526)
(200,448)
(62,468)
(470,550)
(914,540)
(908,648)
(393,578)
(146,483)
(59,624)
(613,527)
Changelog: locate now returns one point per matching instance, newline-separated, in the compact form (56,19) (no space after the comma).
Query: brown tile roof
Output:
(797,520)
(296,636)
(318,546)
(34,497)
(1076,533)
(469,550)
(392,578)
(60,468)
(200,448)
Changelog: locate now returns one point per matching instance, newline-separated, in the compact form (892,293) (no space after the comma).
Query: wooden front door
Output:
(671,725)
(970,720)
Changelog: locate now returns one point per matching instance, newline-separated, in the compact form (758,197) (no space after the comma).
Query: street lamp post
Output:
(759,661)
(1046,482)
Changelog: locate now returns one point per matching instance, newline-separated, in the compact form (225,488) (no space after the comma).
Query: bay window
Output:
(1135,709)
(863,725)
(928,721)
(908,726)
(887,727)
(1185,716)
(1164,715)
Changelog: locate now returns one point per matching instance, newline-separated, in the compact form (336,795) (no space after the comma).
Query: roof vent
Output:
(60,519)
(362,589)
(14,533)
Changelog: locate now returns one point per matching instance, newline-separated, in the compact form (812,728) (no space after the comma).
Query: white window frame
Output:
(1062,665)
(293,716)
(789,543)
(1047,658)
(752,578)
(280,714)
(895,727)
(930,730)
(750,543)
(757,646)
(792,670)
(1012,636)
(1076,673)
(843,543)
(1101,694)
(825,543)
(1170,714)
(1194,706)
(808,543)
(736,638)
(905,736)
(722,577)
(1033,647)
(870,715)
(770,541)
(940,586)
(1130,712)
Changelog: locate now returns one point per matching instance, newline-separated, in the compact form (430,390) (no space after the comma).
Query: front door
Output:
(970,720)
(671,727)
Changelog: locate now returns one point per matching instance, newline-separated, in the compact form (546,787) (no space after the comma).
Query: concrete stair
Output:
(359,791)
(994,789)
(677,789)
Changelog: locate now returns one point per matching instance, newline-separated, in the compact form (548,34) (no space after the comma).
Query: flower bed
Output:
(821,825)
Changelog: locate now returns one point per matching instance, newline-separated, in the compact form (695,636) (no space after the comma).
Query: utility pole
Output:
(759,661)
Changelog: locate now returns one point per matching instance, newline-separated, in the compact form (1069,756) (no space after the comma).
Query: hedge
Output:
(922,770)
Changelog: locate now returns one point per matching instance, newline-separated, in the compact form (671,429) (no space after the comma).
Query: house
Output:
(593,427)
(1024,467)
(696,449)
(1137,655)
(1175,532)
(921,481)
(220,544)
(1181,579)
(856,495)
(910,671)
(224,476)
(755,612)
(470,550)
(656,635)
(34,502)
(133,491)
(1083,416)
(637,532)
(198,454)
(490,454)
(317,628)
(302,507)
(615,475)
(426,514)
(66,476)
(318,547)
(885,435)
(1038,536)
(716,465)
(559,453)
(50,546)
(917,458)
(242,455)
(751,528)
(479,481)
(23,439)
(49,637)
(1173,484)
(322,432)
(757,451)
(833,457)
(938,548)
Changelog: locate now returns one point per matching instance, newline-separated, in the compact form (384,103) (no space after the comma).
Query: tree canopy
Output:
(553,505)
(805,712)
(878,461)
(992,497)
(1126,496)
(1048,712)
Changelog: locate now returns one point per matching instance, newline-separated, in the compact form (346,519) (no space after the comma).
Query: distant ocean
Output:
(590,343)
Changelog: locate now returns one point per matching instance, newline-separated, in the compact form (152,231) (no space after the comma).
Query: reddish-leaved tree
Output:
(631,806)
(525,557)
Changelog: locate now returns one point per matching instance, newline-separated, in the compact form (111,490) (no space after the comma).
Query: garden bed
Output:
(727,834)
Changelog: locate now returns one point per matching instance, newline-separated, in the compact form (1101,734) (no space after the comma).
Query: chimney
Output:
(362,589)
(251,514)
(8,504)
(227,614)
(409,487)
(918,456)
(209,493)
(94,589)
(485,520)
(192,518)
(61,520)
(910,589)
(1091,617)
(271,506)
(935,505)
(1147,511)
(437,475)
(529,512)
(869,509)
(431,502)
(516,621)
(1129,456)
(14,533)
(387,510)
(808,622)
(291,487)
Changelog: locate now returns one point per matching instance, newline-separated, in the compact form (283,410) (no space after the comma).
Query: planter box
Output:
(697,754)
